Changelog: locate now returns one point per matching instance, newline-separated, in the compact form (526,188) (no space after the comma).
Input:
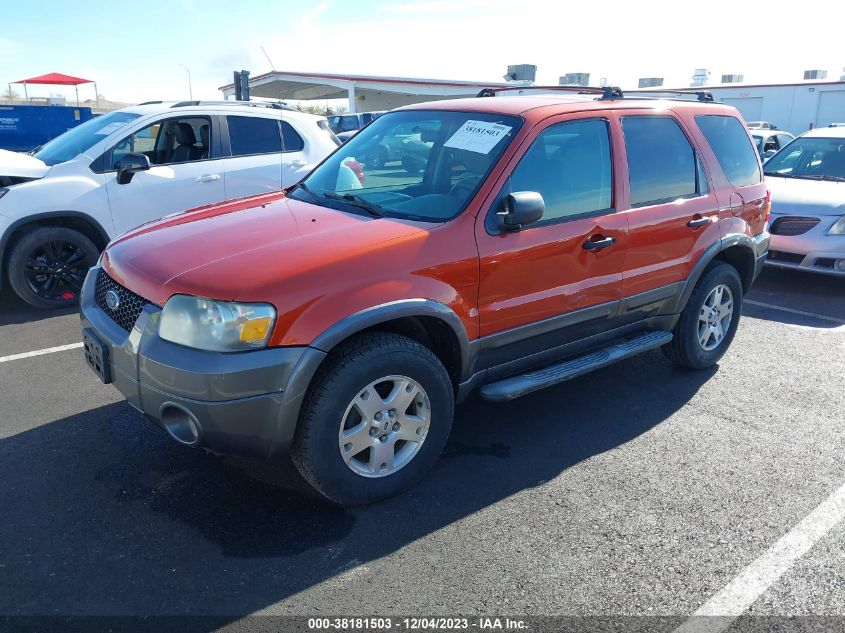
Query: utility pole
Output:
(190,88)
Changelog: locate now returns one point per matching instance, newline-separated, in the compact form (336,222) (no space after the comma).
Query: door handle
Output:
(297,163)
(208,178)
(698,222)
(596,244)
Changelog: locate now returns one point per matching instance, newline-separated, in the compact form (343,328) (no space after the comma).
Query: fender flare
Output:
(369,317)
(729,241)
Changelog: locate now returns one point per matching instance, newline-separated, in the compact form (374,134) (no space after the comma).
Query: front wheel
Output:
(48,265)
(375,420)
(709,321)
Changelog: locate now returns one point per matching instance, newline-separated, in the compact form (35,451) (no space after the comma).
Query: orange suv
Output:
(512,243)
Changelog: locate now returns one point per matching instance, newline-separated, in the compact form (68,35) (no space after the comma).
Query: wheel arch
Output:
(736,250)
(76,220)
(430,323)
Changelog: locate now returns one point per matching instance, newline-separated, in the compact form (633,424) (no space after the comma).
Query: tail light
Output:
(767,207)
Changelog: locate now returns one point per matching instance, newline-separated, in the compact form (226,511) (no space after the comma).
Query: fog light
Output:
(840,265)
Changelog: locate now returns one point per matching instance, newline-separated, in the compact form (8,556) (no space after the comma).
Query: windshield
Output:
(811,158)
(75,141)
(415,164)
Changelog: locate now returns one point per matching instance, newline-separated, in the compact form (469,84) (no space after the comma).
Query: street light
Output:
(190,89)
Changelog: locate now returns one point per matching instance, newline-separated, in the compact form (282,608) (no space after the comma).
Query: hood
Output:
(237,250)
(19,165)
(799,196)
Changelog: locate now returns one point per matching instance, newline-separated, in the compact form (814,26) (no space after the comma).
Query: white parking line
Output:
(716,614)
(40,352)
(813,315)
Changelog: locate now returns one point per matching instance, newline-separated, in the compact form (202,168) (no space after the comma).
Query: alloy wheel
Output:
(55,270)
(714,318)
(384,426)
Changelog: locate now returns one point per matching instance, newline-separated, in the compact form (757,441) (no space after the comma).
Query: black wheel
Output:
(709,321)
(375,419)
(377,158)
(48,265)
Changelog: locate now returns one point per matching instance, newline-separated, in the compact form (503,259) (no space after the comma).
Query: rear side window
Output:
(253,135)
(733,150)
(569,165)
(291,140)
(661,162)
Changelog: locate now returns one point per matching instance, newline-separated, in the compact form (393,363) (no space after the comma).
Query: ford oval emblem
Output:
(112,300)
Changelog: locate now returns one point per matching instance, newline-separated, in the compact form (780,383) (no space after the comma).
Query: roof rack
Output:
(705,96)
(607,93)
(276,105)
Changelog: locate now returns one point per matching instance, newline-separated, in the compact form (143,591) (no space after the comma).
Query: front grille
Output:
(792,225)
(781,256)
(129,307)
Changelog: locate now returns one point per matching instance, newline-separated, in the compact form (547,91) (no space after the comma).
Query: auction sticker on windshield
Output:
(477,136)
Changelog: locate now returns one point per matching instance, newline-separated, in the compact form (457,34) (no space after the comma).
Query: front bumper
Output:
(243,403)
(813,251)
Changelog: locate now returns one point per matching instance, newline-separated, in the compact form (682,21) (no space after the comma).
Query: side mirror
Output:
(129,165)
(769,153)
(521,208)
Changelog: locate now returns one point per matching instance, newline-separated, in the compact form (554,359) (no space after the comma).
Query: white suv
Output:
(60,206)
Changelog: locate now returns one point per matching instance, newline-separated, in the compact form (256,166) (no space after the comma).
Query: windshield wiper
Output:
(805,176)
(305,188)
(373,209)
(824,177)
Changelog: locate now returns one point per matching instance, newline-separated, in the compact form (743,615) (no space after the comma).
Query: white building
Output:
(791,107)
(364,93)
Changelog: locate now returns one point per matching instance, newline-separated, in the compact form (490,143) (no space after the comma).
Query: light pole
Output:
(190,89)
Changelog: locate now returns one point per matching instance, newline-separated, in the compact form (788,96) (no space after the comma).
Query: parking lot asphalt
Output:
(640,489)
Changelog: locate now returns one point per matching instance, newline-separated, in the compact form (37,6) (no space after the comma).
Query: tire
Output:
(48,265)
(334,468)
(686,348)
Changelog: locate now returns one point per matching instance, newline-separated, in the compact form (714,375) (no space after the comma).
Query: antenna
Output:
(269,61)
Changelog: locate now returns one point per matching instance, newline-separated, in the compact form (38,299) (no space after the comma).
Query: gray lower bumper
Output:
(243,403)
(761,249)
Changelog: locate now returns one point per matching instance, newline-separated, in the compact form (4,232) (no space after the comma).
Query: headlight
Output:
(838,227)
(216,326)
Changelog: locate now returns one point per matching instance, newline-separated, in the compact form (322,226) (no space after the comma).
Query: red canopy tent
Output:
(57,79)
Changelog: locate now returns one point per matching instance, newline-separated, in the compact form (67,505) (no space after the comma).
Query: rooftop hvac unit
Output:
(815,74)
(521,73)
(700,77)
(733,79)
(650,82)
(574,79)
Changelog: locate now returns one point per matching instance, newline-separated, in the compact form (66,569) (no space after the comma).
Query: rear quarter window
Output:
(735,153)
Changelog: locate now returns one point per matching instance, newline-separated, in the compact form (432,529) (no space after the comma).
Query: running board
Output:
(517,386)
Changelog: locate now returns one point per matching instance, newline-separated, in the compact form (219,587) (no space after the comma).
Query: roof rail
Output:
(150,102)
(705,96)
(608,93)
(276,105)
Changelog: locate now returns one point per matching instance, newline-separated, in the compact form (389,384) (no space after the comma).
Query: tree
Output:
(10,94)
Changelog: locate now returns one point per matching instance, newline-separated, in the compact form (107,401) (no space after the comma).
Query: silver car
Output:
(807,183)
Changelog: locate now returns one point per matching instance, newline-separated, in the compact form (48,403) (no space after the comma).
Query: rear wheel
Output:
(47,266)
(709,321)
(375,420)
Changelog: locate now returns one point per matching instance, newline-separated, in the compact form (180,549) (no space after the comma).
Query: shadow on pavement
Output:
(813,293)
(13,310)
(102,514)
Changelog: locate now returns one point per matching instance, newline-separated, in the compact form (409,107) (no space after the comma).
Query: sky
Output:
(136,51)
